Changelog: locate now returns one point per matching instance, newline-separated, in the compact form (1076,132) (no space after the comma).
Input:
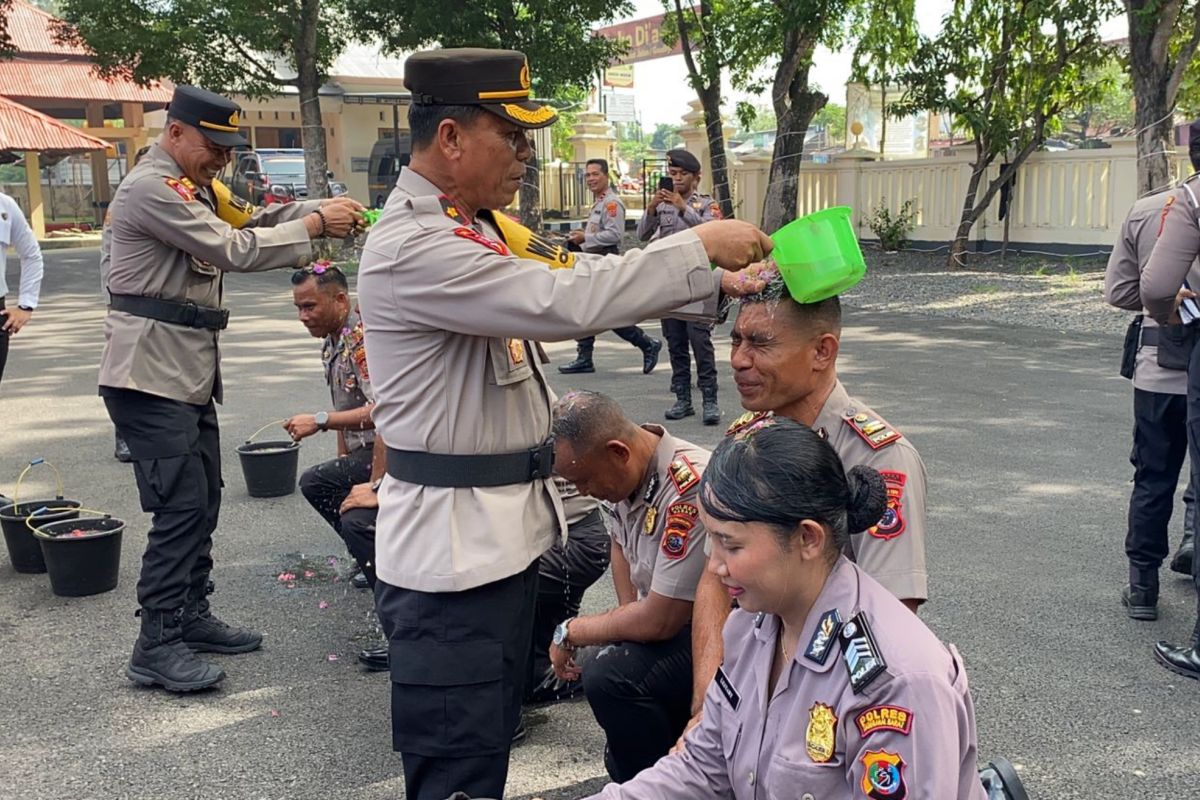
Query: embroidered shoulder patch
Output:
(884,718)
(891,524)
(715,208)
(873,430)
(726,687)
(883,775)
(681,519)
(180,189)
(864,663)
(475,236)
(611,208)
(683,474)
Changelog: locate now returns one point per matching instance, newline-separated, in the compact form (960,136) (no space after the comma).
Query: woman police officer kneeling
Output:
(830,687)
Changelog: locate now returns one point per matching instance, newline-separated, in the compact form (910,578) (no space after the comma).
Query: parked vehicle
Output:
(386,160)
(269,176)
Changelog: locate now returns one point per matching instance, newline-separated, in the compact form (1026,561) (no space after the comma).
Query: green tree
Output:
(6,45)
(1109,108)
(223,45)
(832,119)
(886,46)
(664,137)
(1006,70)
(1163,37)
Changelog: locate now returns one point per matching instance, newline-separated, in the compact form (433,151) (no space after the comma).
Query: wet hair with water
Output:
(780,472)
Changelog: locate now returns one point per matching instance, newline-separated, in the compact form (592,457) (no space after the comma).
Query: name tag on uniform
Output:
(726,687)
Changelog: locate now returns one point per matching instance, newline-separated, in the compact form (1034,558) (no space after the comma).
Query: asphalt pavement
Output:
(1025,434)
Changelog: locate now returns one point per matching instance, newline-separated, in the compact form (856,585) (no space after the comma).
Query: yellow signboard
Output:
(619,76)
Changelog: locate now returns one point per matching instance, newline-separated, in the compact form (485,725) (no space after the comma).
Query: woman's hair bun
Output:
(868,498)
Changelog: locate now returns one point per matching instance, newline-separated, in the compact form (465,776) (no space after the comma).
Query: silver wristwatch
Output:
(322,418)
(562,637)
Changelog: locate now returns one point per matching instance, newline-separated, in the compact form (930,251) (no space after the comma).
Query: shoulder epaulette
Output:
(873,430)
(864,662)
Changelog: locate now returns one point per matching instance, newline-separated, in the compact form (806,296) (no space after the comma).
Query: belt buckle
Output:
(191,310)
(541,460)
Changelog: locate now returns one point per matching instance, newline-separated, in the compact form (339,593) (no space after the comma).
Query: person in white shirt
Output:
(15,232)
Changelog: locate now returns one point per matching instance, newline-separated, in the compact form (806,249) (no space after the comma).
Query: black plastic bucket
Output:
(269,467)
(23,547)
(83,556)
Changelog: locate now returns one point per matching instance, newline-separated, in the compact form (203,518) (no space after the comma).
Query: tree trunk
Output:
(783,184)
(958,247)
(710,100)
(531,195)
(1155,124)
(308,81)
(882,118)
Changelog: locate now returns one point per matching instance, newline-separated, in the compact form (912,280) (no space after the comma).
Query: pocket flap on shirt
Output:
(446,663)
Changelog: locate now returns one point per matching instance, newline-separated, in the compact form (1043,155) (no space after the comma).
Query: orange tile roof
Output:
(30,79)
(24,129)
(32,31)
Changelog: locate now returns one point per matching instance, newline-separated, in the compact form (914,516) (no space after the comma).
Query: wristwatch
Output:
(322,418)
(375,485)
(25,308)
(562,638)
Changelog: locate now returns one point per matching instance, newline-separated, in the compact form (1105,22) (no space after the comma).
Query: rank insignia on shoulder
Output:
(883,775)
(726,687)
(874,431)
(683,474)
(864,663)
(746,420)
(884,718)
(180,189)
(651,519)
(824,636)
(819,737)
(651,489)
(475,236)
(449,209)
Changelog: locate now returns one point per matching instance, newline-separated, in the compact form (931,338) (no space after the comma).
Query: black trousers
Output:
(326,485)
(641,694)
(176,449)
(357,529)
(680,336)
(4,337)
(565,572)
(458,662)
(631,333)
(1159,447)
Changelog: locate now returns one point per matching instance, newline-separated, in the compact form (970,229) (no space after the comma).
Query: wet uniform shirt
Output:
(892,552)
(451,314)
(871,706)
(344,355)
(659,529)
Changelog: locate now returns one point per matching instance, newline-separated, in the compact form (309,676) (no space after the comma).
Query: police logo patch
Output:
(860,653)
(715,209)
(180,189)
(891,524)
(819,736)
(674,543)
(884,718)
(475,236)
(684,474)
(823,637)
(883,775)
(611,208)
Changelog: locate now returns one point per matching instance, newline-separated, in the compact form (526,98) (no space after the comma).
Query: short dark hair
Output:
(324,275)
(586,420)
(825,315)
(423,120)
(599,162)
(780,472)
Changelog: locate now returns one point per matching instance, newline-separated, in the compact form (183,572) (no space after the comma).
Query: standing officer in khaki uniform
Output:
(160,374)
(605,227)
(468,504)
(830,688)
(784,359)
(1170,301)
(640,686)
(1159,414)
(668,213)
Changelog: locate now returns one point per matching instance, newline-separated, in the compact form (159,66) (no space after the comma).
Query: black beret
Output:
(497,80)
(684,161)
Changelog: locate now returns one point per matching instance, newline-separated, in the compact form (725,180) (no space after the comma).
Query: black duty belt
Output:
(189,314)
(499,469)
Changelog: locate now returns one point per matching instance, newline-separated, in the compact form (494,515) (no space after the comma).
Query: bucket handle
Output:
(35,463)
(47,510)
(264,427)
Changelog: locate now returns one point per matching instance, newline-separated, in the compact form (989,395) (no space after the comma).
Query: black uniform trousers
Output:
(458,667)
(327,484)
(4,337)
(357,529)
(641,694)
(1159,446)
(176,449)
(680,336)
(565,572)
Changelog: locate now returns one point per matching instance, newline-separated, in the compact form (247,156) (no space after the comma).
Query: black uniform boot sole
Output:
(1142,613)
(224,649)
(148,678)
(577,369)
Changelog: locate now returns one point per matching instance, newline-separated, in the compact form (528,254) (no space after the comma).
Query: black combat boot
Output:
(161,658)
(1140,597)
(650,351)
(1183,661)
(683,405)
(582,362)
(711,413)
(205,633)
(121,451)
(1184,556)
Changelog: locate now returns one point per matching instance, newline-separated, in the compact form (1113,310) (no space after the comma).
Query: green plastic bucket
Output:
(818,255)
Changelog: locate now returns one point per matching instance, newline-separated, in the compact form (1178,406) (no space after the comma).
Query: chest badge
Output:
(516,351)
(820,734)
(651,519)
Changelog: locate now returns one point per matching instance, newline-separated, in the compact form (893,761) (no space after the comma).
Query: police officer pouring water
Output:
(451,313)
(160,371)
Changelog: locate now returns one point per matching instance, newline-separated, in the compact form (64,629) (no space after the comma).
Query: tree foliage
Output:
(1005,70)
(887,42)
(1108,110)
(6,45)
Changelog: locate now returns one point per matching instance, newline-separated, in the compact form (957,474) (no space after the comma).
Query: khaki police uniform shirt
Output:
(668,219)
(1122,279)
(872,705)
(659,530)
(450,315)
(605,225)
(344,355)
(1175,251)
(892,552)
(166,241)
